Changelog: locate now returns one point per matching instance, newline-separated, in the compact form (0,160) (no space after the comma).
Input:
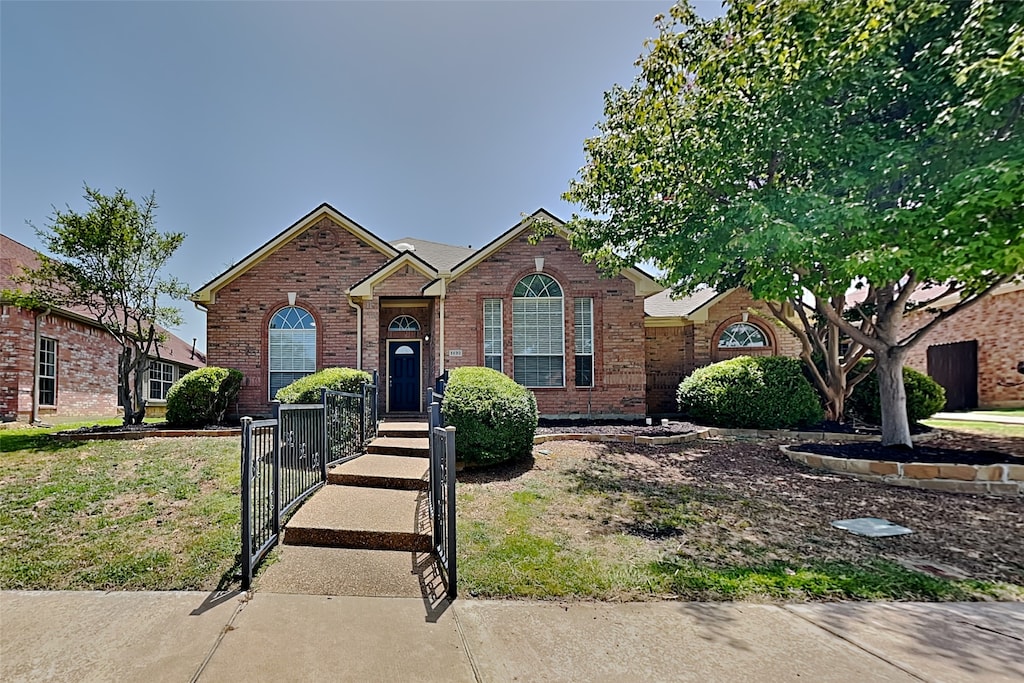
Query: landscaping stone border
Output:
(152,434)
(713,433)
(1001,480)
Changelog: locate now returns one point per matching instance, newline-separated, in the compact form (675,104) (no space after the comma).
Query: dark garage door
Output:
(955,367)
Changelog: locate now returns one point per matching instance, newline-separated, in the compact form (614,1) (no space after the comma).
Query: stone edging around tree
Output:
(1002,480)
(143,434)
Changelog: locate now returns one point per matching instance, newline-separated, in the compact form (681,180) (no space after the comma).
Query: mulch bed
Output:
(973,455)
(147,427)
(636,428)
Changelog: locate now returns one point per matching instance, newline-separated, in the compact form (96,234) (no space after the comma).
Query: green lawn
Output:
(150,514)
(993,429)
(712,521)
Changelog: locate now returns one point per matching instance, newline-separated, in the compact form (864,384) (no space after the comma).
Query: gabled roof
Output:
(663,304)
(208,292)
(364,288)
(441,256)
(15,256)
(645,284)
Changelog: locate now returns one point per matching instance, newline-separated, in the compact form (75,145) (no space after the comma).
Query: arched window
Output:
(742,335)
(538,332)
(404,323)
(292,347)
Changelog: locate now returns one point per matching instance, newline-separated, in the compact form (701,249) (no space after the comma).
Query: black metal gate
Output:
(955,367)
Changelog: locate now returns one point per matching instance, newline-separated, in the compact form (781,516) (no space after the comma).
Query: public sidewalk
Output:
(92,636)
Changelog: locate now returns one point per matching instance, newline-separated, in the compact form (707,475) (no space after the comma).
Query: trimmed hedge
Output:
(307,389)
(925,397)
(494,418)
(764,392)
(201,397)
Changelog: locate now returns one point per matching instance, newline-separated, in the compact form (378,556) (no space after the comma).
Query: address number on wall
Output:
(455,353)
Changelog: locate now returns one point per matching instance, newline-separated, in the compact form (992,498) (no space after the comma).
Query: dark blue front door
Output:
(404,376)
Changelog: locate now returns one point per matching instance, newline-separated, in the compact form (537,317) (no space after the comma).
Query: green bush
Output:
(202,397)
(765,392)
(494,418)
(307,389)
(925,397)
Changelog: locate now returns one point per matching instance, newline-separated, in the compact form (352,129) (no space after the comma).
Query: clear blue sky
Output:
(443,121)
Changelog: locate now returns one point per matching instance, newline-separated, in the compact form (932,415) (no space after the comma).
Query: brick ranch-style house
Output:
(978,354)
(74,359)
(326,292)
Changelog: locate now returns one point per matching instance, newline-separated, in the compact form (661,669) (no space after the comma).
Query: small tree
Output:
(107,263)
(798,147)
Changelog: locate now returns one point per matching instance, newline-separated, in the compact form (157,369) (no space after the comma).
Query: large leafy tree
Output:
(803,147)
(107,263)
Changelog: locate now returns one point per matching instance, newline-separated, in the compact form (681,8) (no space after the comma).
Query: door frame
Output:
(419,373)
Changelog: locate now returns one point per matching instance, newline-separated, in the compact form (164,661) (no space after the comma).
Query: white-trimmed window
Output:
(404,323)
(584,315)
(47,371)
(492,334)
(742,335)
(538,332)
(292,347)
(161,377)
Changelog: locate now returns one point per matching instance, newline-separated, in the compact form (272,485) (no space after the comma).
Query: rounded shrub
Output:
(494,418)
(307,389)
(764,392)
(202,397)
(925,397)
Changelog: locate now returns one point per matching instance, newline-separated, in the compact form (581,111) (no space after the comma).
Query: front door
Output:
(403,376)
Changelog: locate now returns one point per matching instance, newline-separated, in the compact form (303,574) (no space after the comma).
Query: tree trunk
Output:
(124,389)
(139,376)
(893,400)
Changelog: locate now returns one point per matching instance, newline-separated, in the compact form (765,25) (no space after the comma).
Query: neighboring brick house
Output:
(327,292)
(977,354)
(75,359)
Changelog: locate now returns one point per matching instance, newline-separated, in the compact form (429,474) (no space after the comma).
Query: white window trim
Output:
(270,357)
(153,364)
(589,301)
(561,313)
(500,334)
(39,370)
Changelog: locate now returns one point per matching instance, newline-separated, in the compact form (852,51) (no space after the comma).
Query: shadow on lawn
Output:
(30,440)
(506,471)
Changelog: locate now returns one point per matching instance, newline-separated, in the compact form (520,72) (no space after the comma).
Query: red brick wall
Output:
(675,352)
(319,271)
(618,326)
(86,366)
(997,322)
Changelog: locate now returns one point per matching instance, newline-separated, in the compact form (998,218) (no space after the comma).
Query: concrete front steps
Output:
(367,532)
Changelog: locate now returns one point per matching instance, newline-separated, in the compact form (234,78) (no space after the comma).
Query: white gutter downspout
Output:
(359,331)
(440,351)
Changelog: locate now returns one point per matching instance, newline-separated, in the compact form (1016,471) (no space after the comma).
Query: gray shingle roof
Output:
(662,304)
(440,256)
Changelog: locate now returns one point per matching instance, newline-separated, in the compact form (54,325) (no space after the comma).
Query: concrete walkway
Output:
(92,636)
(979,417)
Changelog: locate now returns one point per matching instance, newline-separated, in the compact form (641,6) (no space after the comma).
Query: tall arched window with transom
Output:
(292,347)
(538,332)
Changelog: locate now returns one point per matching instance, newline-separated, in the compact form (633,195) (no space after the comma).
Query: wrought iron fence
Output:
(442,493)
(285,459)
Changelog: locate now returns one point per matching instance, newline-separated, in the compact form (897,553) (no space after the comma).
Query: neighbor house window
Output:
(538,332)
(292,347)
(404,323)
(161,377)
(740,335)
(47,372)
(584,314)
(492,334)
